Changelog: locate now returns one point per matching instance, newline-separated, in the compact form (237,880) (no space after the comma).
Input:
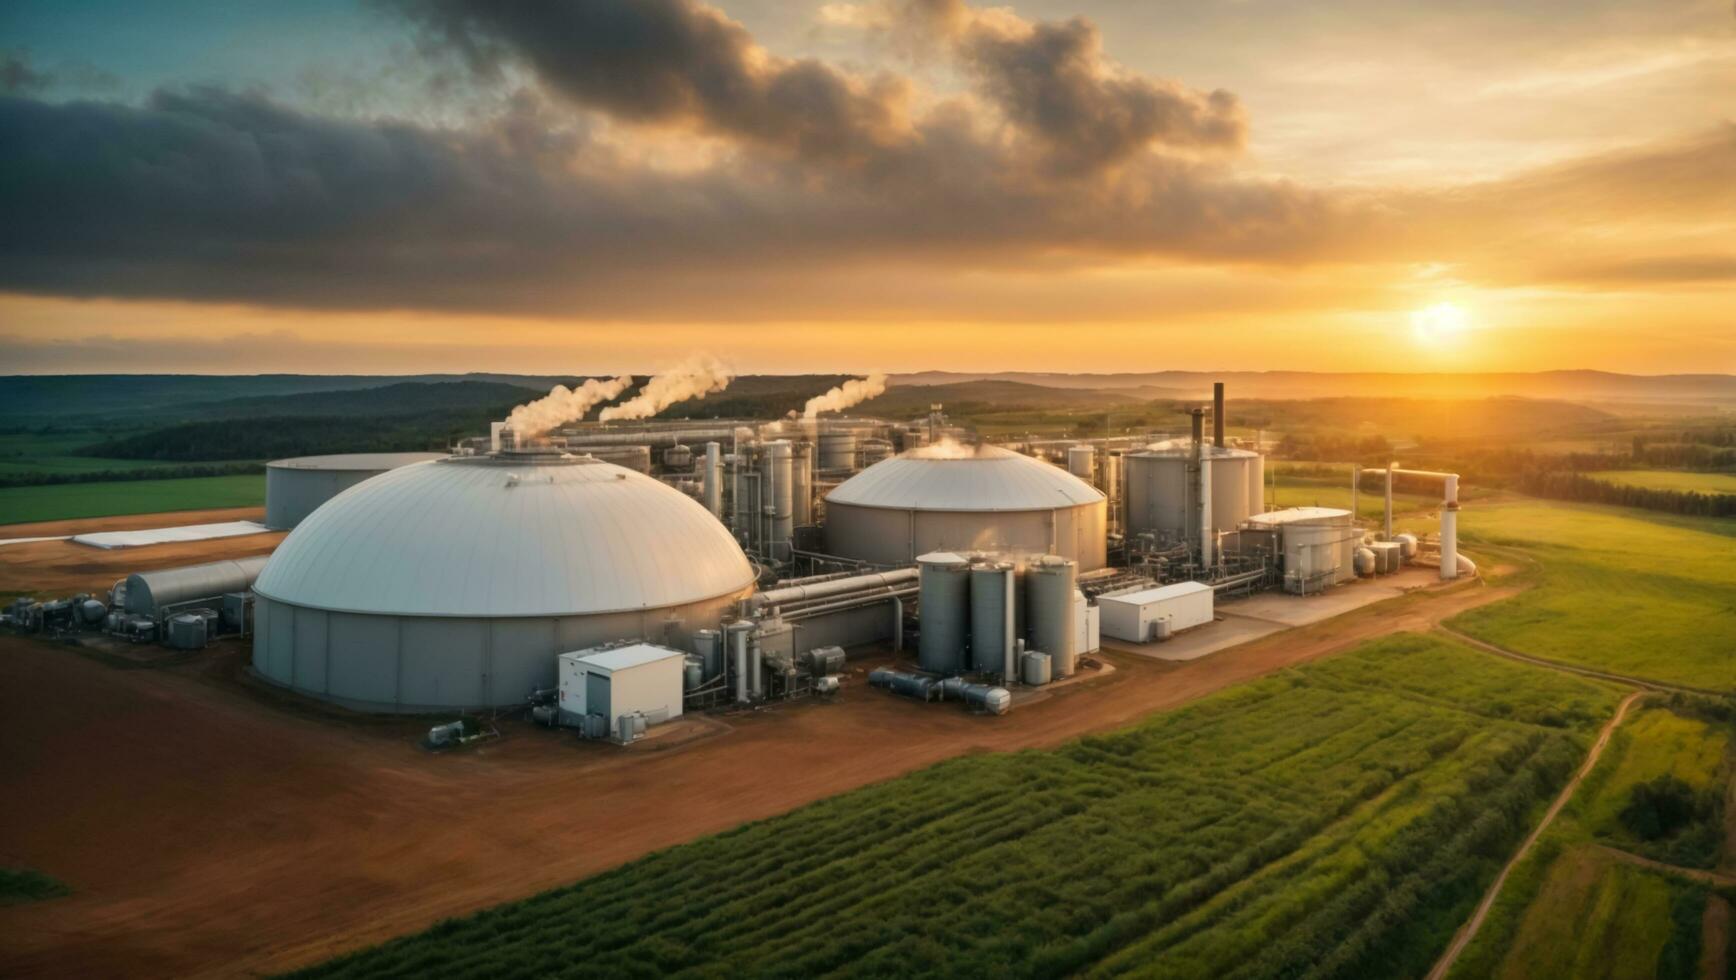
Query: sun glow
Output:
(1439,324)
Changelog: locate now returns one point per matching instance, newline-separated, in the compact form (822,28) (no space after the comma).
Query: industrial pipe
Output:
(1218,414)
(738,645)
(1450,564)
(820,590)
(713,491)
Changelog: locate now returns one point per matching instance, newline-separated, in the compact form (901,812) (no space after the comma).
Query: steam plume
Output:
(563,404)
(696,377)
(845,395)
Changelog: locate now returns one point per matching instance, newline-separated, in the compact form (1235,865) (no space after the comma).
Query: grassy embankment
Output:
(75,500)
(1627,591)
(1343,816)
(1576,908)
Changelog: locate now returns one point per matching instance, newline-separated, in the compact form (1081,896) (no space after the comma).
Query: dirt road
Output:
(1468,931)
(55,568)
(208,830)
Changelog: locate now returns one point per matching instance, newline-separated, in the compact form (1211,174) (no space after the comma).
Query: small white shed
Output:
(1133,616)
(621,680)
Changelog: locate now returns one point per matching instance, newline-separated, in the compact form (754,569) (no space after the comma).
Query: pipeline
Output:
(835,587)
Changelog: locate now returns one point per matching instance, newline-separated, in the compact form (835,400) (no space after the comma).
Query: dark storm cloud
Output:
(1052,80)
(211,195)
(673,61)
(17,76)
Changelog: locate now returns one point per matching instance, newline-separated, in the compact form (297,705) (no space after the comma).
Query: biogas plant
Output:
(609,576)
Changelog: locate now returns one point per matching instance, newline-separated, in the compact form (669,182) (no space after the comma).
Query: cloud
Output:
(675,61)
(208,194)
(17,75)
(1053,81)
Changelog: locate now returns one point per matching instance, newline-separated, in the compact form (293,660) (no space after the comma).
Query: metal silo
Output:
(802,486)
(777,478)
(991,618)
(945,597)
(678,457)
(837,451)
(1082,463)
(1050,584)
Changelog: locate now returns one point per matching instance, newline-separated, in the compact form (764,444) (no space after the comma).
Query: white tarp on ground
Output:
(166,535)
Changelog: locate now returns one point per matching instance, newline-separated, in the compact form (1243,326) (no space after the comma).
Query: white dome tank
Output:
(948,497)
(455,583)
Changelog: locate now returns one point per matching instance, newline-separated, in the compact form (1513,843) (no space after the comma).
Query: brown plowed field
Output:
(56,568)
(209,828)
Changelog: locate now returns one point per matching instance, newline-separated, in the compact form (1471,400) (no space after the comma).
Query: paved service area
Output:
(1241,620)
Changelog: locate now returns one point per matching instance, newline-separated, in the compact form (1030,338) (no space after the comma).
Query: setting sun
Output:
(1438,324)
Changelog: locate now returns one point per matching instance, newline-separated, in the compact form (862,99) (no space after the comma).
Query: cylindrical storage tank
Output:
(991,617)
(635,458)
(1407,546)
(147,592)
(294,488)
(187,632)
(873,451)
(92,611)
(1162,628)
(837,451)
(1082,463)
(1037,667)
(802,484)
(1387,556)
(1064,665)
(455,584)
(907,685)
(777,495)
(678,457)
(692,673)
(944,593)
(1256,485)
(708,646)
(1049,585)
(1161,496)
(956,499)
(1365,562)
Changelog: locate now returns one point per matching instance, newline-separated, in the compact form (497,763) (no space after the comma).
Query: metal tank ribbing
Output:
(945,596)
(991,618)
(1049,607)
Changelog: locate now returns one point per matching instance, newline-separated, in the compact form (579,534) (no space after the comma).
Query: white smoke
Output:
(696,377)
(563,404)
(849,393)
(946,447)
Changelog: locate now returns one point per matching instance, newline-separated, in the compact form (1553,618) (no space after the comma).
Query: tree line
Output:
(123,475)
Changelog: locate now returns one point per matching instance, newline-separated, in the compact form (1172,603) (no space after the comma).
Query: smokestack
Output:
(1218,414)
(1199,427)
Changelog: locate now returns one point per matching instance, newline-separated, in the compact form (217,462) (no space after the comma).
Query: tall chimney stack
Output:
(1218,414)
(1199,428)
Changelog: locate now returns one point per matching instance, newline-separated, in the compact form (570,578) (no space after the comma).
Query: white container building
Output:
(1134,616)
(640,678)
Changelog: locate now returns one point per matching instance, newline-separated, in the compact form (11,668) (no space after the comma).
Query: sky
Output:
(595,186)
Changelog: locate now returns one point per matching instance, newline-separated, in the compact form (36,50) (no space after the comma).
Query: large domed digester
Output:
(962,498)
(455,583)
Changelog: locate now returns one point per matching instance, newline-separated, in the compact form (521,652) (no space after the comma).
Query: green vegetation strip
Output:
(1339,819)
(21,885)
(1682,480)
(1574,908)
(1614,590)
(20,505)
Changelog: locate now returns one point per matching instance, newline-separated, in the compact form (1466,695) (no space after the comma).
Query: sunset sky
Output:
(590,186)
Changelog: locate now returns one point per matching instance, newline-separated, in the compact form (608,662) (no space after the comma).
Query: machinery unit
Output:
(186,631)
(454,584)
(637,680)
(1388,556)
(1134,616)
(1317,545)
(1036,668)
(950,497)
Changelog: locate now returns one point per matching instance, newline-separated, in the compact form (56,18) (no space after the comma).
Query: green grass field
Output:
(1412,512)
(22,453)
(1339,819)
(74,500)
(1575,909)
(1615,589)
(1672,480)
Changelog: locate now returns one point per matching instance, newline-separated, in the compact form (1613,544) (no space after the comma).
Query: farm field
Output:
(1343,816)
(1579,905)
(33,453)
(1413,512)
(1615,589)
(1671,480)
(75,500)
